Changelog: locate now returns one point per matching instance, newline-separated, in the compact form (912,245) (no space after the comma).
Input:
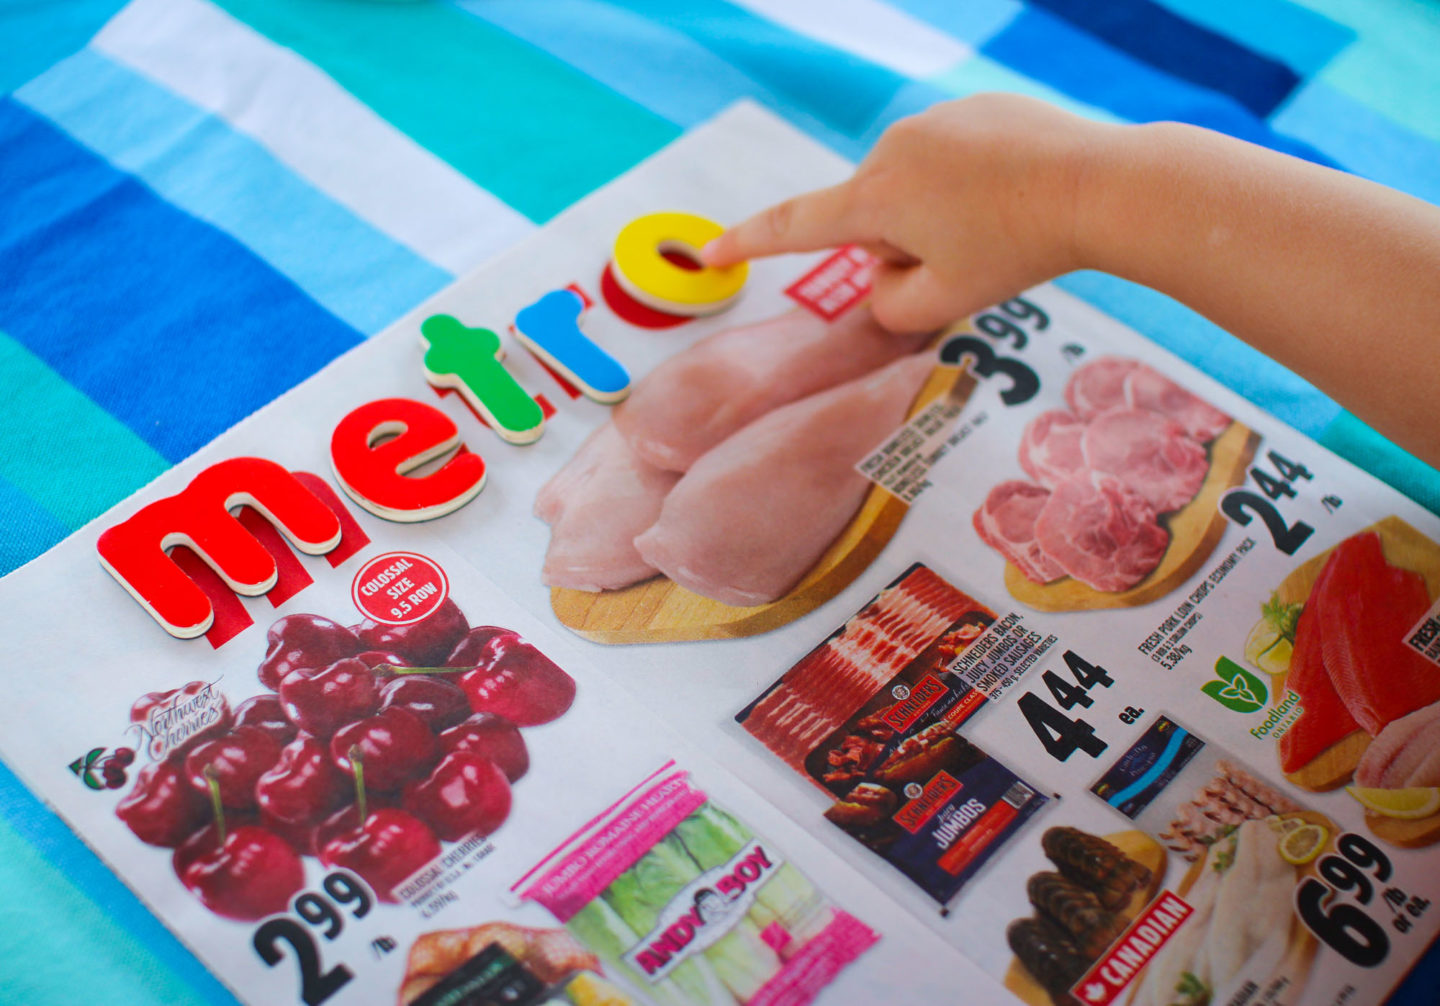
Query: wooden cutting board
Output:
(660,611)
(1195,530)
(1139,847)
(1407,834)
(1406,548)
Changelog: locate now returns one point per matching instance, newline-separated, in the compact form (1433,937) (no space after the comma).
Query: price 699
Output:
(1344,927)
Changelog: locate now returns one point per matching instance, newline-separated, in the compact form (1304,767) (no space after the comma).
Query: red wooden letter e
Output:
(376,445)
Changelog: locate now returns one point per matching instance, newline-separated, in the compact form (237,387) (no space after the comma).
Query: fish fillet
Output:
(1324,720)
(592,540)
(697,398)
(1399,736)
(1253,902)
(1182,953)
(752,516)
(1366,609)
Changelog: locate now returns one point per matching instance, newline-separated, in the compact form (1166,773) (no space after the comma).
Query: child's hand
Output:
(967,204)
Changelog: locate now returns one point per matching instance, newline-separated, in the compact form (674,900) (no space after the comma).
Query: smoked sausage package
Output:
(612,630)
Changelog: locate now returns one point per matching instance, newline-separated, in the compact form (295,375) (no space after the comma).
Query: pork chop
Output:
(1149,389)
(1101,532)
(1050,447)
(1006,522)
(1148,453)
(1098,386)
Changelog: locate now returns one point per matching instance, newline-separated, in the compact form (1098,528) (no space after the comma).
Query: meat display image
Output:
(730,469)
(1101,532)
(696,399)
(1232,797)
(549,954)
(1081,906)
(1131,448)
(1405,753)
(1007,523)
(1242,928)
(832,682)
(751,517)
(1351,667)
(595,513)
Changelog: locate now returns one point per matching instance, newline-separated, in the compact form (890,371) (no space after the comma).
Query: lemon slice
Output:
(1303,844)
(1411,802)
(1262,636)
(1276,660)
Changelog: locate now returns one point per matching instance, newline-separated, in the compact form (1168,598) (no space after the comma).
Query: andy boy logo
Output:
(1236,688)
(702,912)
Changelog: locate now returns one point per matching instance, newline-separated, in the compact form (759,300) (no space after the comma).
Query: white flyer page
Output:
(611,630)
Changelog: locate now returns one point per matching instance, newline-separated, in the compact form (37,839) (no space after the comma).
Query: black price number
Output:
(1342,926)
(1024,384)
(1002,325)
(1240,504)
(1060,735)
(323,914)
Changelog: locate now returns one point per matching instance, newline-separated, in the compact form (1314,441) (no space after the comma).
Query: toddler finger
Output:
(815,220)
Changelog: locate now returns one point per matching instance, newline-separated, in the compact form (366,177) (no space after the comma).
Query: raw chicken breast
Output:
(1150,389)
(1102,533)
(1050,447)
(550,501)
(697,398)
(592,541)
(1006,522)
(1148,453)
(752,516)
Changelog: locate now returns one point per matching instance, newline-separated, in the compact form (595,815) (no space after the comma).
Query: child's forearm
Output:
(1334,276)
(974,200)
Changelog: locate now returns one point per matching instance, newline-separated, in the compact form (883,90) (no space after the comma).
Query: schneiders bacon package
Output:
(680,898)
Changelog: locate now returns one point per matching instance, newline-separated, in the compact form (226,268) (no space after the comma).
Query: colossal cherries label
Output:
(398,588)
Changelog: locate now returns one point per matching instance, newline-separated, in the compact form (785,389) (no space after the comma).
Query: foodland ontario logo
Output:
(1236,688)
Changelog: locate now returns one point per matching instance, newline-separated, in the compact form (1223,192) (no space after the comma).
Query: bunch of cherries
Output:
(375,743)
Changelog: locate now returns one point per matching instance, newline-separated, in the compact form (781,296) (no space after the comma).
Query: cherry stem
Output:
(213,781)
(392,669)
(357,765)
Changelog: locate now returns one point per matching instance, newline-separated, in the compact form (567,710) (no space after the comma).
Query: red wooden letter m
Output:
(199,518)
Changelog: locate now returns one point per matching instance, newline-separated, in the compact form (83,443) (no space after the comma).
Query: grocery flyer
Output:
(592,640)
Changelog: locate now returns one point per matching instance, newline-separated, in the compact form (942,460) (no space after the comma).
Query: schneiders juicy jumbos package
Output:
(611,630)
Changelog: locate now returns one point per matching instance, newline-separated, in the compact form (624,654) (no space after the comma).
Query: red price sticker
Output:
(836,284)
(399,588)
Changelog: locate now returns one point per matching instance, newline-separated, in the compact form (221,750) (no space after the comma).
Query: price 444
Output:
(1061,735)
(1240,503)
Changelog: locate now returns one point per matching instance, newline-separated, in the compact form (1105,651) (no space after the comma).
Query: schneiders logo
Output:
(902,715)
(925,806)
(702,912)
(1236,688)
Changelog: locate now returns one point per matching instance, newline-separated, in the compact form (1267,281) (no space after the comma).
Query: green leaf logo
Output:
(1236,688)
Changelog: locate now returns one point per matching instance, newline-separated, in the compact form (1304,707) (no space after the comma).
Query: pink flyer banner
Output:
(621,838)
